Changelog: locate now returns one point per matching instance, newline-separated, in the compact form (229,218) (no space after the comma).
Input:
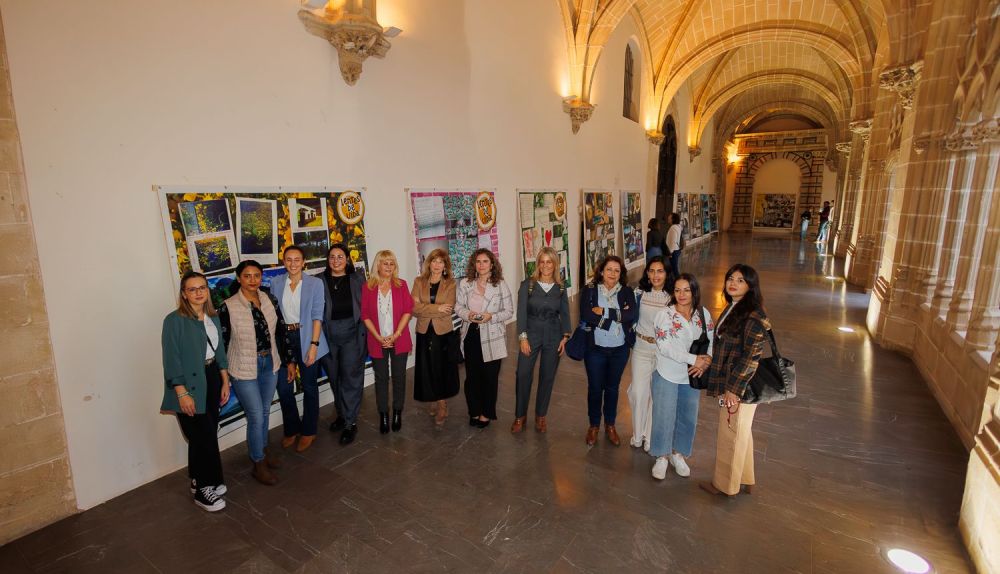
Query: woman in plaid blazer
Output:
(739,343)
(484,303)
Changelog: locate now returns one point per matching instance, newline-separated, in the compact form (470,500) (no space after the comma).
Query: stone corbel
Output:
(902,80)
(961,140)
(862,128)
(579,111)
(987,131)
(655,137)
(693,152)
(350,27)
(843,147)
(920,144)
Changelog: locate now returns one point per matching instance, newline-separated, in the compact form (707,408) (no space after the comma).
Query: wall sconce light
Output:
(349,26)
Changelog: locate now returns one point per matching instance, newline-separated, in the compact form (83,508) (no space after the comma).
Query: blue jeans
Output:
(310,394)
(605,366)
(824,230)
(675,417)
(804,229)
(653,252)
(255,397)
(675,262)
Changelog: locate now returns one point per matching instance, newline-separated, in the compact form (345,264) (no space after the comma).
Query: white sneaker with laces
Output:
(221,489)
(207,498)
(660,468)
(680,466)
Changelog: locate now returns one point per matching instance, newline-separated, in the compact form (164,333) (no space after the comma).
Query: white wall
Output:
(113,98)
(778,176)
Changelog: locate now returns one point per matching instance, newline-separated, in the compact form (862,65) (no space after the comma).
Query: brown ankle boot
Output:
(271,459)
(518,425)
(540,424)
(592,435)
(612,433)
(264,474)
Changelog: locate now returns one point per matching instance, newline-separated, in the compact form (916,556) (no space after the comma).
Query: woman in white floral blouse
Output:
(675,402)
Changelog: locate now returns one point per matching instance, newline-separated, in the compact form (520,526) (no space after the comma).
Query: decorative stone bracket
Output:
(843,147)
(350,27)
(693,152)
(862,128)
(902,80)
(966,137)
(655,137)
(579,111)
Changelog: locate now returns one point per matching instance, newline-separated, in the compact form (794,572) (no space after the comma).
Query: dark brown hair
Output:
(496,272)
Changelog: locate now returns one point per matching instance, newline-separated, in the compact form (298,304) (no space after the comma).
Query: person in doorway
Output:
(609,308)
(804,224)
(543,329)
(652,296)
(674,243)
(737,348)
(435,376)
(824,222)
(485,305)
(346,335)
(386,308)
(302,303)
(196,384)
(654,240)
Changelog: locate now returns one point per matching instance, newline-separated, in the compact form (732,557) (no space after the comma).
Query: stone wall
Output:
(35,482)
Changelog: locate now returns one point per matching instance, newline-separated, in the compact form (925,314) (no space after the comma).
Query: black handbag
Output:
(700,347)
(774,380)
(577,344)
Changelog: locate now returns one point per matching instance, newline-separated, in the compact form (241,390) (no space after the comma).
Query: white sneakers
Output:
(676,459)
(208,499)
(680,466)
(660,468)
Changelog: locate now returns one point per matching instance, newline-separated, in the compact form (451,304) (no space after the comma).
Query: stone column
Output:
(985,322)
(963,157)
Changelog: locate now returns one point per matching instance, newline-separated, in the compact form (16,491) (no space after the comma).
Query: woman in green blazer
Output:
(196,384)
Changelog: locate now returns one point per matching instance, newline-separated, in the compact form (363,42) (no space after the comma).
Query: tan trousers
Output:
(734,450)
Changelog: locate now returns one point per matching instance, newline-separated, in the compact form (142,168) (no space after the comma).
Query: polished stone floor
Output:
(863,460)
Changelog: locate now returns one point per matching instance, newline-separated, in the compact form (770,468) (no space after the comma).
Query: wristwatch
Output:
(315,343)
(522,337)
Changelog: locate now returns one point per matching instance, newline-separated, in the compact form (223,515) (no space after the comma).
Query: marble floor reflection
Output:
(861,461)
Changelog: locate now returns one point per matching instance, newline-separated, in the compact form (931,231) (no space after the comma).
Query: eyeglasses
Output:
(199,289)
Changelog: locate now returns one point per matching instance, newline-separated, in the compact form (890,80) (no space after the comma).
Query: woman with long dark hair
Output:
(652,296)
(435,376)
(608,306)
(675,402)
(196,384)
(739,343)
(485,304)
(345,334)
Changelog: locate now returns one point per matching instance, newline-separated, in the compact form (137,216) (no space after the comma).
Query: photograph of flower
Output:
(204,217)
(257,221)
(213,252)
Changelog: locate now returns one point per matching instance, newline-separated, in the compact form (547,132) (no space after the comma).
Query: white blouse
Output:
(213,337)
(650,305)
(385,325)
(291,302)
(674,335)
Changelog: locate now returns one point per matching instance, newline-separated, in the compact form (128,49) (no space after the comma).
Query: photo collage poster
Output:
(632,228)
(774,210)
(458,221)
(542,216)
(598,229)
(211,230)
(699,215)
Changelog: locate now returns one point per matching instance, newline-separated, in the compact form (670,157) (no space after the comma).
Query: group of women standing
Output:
(260,341)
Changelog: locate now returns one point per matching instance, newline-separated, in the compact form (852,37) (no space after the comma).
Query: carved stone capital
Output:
(862,128)
(987,131)
(962,140)
(693,152)
(579,111)
(356,36)
(902,80)
(655,137)
(920,144)
(843,147)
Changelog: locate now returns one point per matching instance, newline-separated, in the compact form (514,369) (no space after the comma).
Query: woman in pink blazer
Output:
(386,307)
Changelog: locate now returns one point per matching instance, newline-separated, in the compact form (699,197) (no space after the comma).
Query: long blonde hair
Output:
(436,254)
(375,278)
(554,256)
(183,307)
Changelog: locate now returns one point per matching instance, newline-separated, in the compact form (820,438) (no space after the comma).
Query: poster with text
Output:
(682,211)
(459,221)
(774,210)
(543,224)
(634,247)
(598,229)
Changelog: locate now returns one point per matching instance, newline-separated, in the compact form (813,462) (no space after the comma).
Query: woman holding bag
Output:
(652,296)
(739,343)
(435,377)
(675,402)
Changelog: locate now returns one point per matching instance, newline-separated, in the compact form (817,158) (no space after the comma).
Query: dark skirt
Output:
(435,378)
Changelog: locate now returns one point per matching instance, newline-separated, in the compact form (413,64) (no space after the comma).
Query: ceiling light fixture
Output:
(907,561)
(845,329)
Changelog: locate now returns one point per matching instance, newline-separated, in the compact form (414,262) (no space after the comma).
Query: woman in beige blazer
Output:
(435,377)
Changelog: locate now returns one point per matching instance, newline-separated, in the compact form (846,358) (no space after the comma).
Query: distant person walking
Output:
(654,240)
(674,243)
(805,218)
(824,222)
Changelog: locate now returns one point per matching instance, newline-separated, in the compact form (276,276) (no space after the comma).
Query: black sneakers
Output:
(208,498)
(221,489)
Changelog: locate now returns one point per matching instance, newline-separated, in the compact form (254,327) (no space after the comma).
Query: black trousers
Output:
(481,378)
(202,434)
(345,368)
(395,363)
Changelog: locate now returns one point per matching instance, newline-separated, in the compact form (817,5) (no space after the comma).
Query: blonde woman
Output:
(435,378)
(386,307)
(543,329)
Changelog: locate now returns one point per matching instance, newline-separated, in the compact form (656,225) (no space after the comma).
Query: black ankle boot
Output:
(397,420)
(383,423)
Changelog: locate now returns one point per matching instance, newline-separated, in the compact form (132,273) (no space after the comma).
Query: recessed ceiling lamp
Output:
(907,561)
(845,329)
(831,277)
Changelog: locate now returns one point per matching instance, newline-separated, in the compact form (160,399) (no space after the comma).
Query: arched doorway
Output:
(667,171)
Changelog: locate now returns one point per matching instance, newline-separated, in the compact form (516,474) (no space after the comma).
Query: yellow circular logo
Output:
(559,205)
(350,207)
(486,210)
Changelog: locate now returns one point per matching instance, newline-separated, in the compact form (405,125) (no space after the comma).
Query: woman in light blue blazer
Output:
(302,301)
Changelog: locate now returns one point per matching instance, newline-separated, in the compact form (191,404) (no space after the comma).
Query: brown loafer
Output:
(592,435)
(612,433)
(710,488)
(540,424)
(263,474)
(518,425)
(746,488)
(288,441)
(305,442)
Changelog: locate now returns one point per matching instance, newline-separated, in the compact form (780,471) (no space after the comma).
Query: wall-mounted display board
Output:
(542,216)
(774,210)
(598,229)
(212,229)
(699,215)
(632,238)
(459,221)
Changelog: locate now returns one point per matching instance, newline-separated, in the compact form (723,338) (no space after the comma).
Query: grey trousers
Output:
(396,363)
(345,368)
(549,352)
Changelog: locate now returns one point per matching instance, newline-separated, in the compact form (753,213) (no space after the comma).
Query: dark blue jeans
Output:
(675,262)
(605,366)
(310,394)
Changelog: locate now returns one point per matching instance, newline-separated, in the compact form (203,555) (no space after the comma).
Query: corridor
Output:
(861,461)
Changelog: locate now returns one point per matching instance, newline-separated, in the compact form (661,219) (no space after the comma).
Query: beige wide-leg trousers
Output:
(734,450)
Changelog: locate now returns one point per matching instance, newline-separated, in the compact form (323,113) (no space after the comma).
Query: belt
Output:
(649,340)
(263,353)
(209,361)
(292,326)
